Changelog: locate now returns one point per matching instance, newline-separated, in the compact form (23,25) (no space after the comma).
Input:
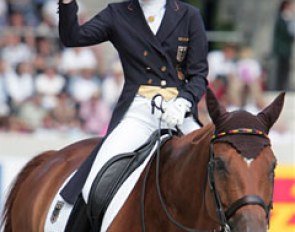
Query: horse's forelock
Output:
(240,119)
(249,146)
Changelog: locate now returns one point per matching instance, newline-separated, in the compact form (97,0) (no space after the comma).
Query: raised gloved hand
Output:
(175,111)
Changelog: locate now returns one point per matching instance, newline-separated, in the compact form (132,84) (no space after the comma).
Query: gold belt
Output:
(150,91)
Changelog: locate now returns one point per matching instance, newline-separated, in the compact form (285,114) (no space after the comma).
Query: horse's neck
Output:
(185,172)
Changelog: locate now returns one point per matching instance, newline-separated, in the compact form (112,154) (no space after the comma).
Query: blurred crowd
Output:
(46,87)
(237,77)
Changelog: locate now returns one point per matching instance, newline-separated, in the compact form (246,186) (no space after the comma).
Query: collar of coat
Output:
(173,14)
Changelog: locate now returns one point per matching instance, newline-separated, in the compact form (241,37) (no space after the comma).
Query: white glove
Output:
(175,112)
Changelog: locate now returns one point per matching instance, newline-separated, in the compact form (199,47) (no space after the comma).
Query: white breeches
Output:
(134,129)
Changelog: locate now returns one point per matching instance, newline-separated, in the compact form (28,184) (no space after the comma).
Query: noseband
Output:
(224,216)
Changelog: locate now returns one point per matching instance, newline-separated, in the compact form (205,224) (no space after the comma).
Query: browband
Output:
(240,131)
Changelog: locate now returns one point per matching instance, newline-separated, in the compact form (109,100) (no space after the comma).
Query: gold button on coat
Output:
(145,53)
(163,83)
(163,68)
(150,81)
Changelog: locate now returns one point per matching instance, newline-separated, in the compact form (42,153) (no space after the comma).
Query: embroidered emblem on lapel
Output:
(56,211)
(183,39)
(181,53)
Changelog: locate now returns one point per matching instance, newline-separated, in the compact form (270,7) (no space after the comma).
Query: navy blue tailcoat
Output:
(175,57)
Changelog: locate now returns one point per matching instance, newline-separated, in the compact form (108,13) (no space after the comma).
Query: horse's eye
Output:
(272,175)
(220,164)
(273,167)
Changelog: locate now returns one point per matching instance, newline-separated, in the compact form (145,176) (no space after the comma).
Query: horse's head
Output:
(242,163)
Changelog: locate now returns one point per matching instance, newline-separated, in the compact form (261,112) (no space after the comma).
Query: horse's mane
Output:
(205,132)
(22,176)
(197,136)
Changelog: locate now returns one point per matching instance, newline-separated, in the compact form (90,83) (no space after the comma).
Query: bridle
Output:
(224,216)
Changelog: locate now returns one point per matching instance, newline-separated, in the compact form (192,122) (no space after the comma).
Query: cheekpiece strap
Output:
(247,131)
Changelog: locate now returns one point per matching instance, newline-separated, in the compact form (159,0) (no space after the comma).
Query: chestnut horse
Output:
(217,178)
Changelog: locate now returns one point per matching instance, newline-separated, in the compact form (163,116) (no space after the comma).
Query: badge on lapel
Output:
(181,53)
(182,49)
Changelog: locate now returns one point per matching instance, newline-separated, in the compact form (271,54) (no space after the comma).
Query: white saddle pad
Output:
(59,213)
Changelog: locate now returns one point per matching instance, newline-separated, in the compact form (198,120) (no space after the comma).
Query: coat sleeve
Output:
(72,34)
(196,63)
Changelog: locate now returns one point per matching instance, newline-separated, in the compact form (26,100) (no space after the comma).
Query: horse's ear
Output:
(272,112)
(215,110)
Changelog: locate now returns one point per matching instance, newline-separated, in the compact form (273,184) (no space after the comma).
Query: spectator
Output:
(95,115)
(20,84)
(25,8)
(49,12)
(50,84)
(75,59)
(46,47)
(222,73)
(4,107)
(284,33)
(64,114)
(113,83)
(3,14)
(49,15)
(29,39)
(46,53)
(84,85)
(14,51)
(39,6)
(17,21)
(250,76)
(32,113)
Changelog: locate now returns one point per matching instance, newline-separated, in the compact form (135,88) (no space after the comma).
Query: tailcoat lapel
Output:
(174,12)
(137,20)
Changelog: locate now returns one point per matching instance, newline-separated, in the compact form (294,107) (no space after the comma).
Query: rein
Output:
(160,195)
(178,132)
